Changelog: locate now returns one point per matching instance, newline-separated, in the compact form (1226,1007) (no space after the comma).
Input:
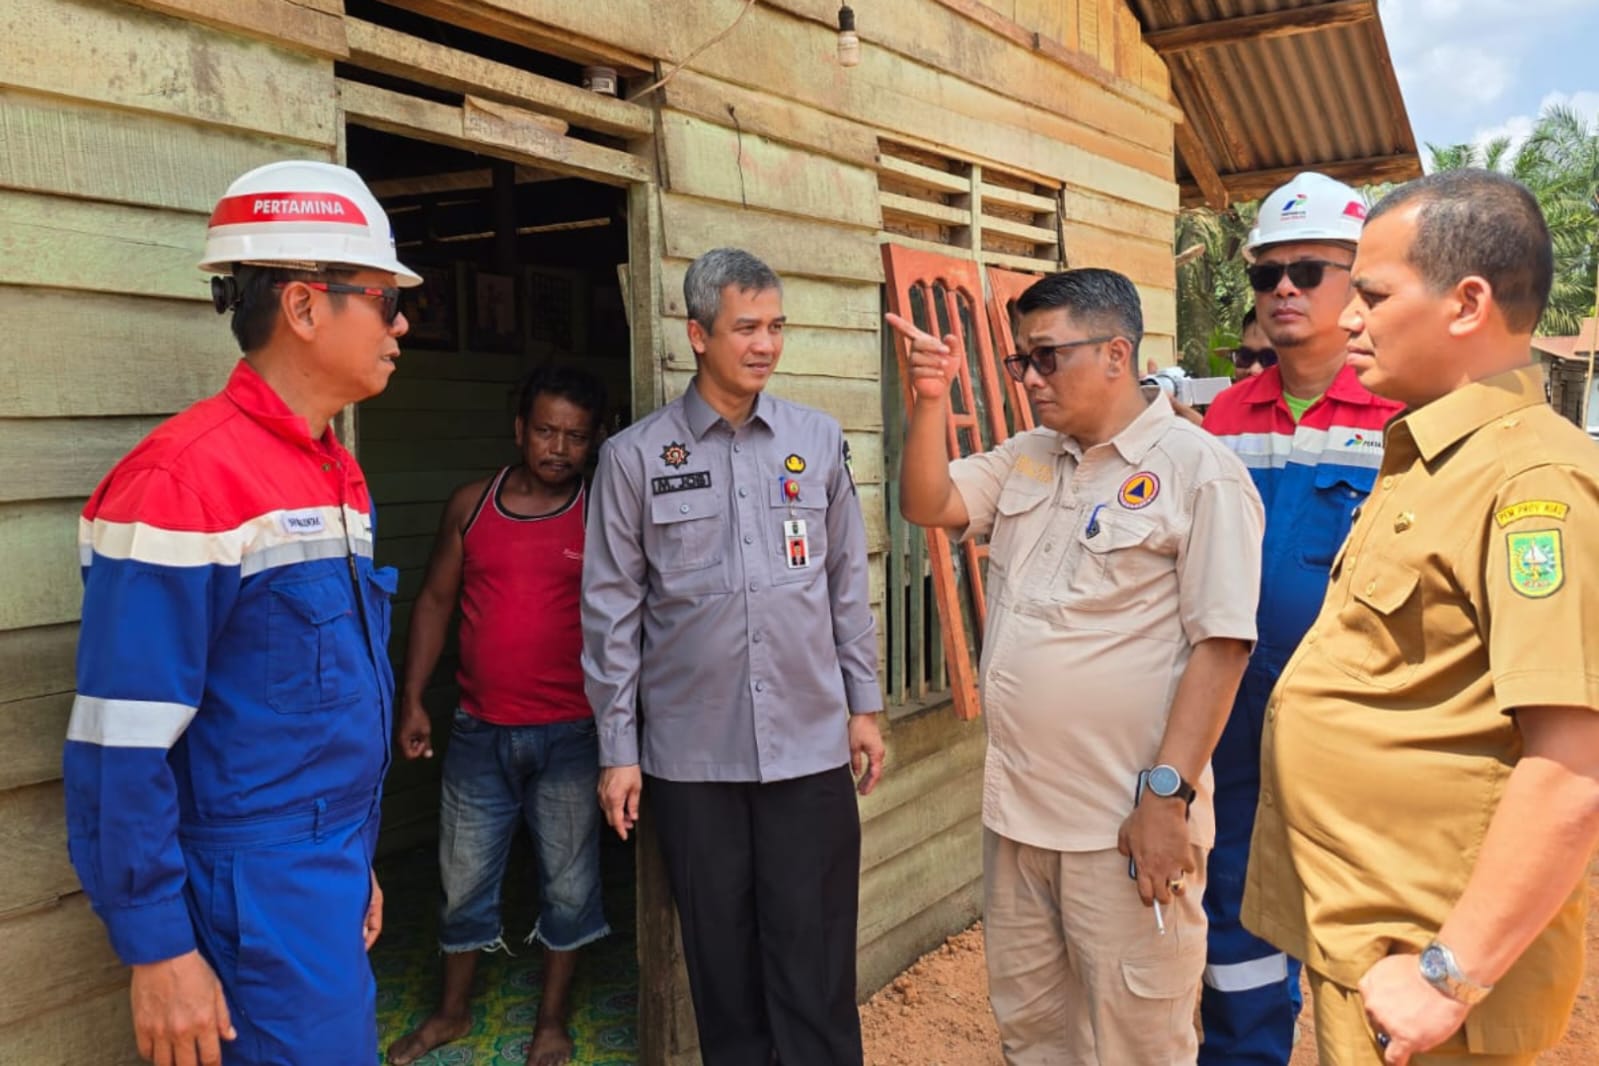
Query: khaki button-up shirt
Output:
(1105,568)
(1466,589)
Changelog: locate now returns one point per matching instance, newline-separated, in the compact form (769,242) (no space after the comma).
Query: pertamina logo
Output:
(1295,207)
(1361,440)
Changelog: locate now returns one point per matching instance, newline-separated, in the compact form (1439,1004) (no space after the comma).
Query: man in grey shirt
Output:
(726,619)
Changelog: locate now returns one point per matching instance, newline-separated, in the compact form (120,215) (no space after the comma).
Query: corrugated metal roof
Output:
(1271,93)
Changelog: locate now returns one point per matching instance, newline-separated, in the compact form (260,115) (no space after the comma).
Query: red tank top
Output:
(520,631)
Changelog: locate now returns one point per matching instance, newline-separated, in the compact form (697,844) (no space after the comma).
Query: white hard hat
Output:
(301,214)
(1312,207)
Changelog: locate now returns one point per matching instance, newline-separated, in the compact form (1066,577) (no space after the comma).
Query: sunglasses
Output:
(1045,357)
(1304,273)
(1245,357)
(388,294)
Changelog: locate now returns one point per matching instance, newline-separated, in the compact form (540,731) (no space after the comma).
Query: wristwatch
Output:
(1441,971)
(1164,781)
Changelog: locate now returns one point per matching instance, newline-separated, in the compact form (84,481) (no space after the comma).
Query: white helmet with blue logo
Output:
(1312,207)
(301,214)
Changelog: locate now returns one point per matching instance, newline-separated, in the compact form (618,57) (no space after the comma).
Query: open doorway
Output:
(521,268)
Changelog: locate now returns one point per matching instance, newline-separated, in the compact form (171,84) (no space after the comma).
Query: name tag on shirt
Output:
(797,546)
(700,479)
(302,522)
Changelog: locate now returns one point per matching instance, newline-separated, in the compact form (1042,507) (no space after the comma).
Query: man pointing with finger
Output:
(1124,555)
(725,595)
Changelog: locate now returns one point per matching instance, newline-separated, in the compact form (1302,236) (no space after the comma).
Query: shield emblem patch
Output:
(1537,562)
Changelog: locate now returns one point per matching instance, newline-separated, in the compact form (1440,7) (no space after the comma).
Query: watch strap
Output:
(1454,983)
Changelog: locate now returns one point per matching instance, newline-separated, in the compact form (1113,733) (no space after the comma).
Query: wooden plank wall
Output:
(118,130)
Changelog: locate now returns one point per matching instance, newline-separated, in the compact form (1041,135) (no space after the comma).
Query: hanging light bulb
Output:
(849,45)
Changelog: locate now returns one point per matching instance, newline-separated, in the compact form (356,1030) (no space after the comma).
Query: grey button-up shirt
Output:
(740,665)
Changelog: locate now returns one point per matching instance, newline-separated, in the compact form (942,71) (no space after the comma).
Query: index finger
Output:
(910,331)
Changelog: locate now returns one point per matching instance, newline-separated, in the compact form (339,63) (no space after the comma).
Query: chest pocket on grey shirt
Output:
(688,534)
(811,508)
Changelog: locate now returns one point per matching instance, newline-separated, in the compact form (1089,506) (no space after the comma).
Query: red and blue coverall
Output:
(226,751)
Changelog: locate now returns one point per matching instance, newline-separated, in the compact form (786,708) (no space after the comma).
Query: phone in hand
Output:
(1138,794)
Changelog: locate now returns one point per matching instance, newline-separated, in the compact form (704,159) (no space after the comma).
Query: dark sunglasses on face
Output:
(1245,357)
(1045,357)
(1304,273)
(388,294)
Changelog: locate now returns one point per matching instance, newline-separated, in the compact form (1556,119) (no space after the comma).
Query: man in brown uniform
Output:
(1430,766)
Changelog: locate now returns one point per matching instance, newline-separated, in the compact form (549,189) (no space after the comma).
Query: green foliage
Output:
(1212,291)
(1559,162)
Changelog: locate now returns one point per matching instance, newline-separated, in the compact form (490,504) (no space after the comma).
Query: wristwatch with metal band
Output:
(1441,971)
(1166,782)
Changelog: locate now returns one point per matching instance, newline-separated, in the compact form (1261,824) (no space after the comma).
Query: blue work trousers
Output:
(278,907)
(1251,994)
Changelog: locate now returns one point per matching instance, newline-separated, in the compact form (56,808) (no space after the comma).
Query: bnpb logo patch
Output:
(1138,491)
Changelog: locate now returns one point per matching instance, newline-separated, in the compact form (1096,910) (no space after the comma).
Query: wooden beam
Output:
(1283,23)
(403,56)
(500,130)
(453,181)
(280,22)
(1252,185)
(1193,151)
(494,21)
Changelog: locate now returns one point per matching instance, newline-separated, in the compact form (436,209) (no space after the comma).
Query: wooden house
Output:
(555,221)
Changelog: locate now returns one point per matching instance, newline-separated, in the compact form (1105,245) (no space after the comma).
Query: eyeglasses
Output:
(1245,357)
(1304,273)
(1044,358)
(389,294)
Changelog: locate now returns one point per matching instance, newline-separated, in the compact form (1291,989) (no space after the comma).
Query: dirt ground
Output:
(936,1013)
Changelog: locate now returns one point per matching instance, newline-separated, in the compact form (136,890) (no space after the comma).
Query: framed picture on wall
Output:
(493,320)
(431,307)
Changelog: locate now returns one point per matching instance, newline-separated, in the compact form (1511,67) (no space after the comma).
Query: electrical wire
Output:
(669,75)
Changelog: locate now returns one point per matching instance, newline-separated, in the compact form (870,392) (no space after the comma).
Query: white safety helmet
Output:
(305,215)
(1312,207)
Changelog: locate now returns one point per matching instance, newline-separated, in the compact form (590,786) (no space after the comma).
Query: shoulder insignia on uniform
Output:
(1532,509)
(794,464)
(1537,562)
(675,455)
(1139,490)
(698,479)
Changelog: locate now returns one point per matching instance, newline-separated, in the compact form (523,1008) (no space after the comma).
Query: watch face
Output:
(1164,781)
(1433,966)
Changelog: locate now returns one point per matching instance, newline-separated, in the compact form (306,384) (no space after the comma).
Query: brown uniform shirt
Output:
(1105,568)
(1468,587)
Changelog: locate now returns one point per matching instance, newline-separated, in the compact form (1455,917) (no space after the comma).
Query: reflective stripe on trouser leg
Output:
(1243,976)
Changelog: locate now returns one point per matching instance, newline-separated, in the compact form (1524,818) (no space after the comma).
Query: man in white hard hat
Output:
(1311,436)
(226,751)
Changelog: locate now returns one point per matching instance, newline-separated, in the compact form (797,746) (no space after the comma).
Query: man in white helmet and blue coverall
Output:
(225,755)
(1312,438)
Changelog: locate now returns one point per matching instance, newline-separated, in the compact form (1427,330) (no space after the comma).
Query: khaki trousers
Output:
(1344,1036)
(1078,974)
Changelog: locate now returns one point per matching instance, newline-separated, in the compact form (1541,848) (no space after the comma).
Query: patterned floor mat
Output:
(506,993)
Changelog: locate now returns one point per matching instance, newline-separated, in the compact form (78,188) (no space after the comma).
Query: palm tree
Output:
(1559,163)
(1212,290)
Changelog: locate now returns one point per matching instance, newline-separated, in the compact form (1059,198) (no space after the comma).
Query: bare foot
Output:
(551,1045)
(438,1029)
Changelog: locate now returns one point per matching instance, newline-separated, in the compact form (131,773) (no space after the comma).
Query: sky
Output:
(1471,70)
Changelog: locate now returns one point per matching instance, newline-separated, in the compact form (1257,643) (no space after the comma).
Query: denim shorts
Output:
(493,775)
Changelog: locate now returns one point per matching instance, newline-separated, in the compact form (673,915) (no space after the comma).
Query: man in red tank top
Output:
(522,742)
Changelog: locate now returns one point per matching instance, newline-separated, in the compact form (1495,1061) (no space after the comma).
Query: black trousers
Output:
(767,883)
